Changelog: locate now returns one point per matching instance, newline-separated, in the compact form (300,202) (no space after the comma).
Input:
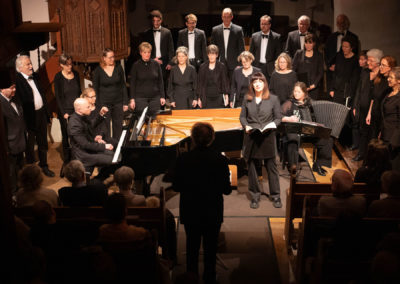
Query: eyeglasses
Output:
(383,65)
(91,97)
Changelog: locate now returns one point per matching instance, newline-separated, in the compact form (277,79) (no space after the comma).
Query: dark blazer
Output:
(236,83)
(201,176)
(200,43)
(15,127)
(315,75)
(235,44)
(292,43)
(273,49)
(24,94)
(166,44)
(331,46)
(257,145)
(88,195)
(59,89)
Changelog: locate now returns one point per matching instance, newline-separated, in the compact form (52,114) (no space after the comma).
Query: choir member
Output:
(110,87)
(295,39)
(283,78)
(212,81)
(182,82)
(260,116)
(241,79)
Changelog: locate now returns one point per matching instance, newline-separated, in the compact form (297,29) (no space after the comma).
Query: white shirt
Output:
(157,42)
(37,98)
(11,103)
(264,45)
(226,38)
(339,41)
(191,44)
(301,41)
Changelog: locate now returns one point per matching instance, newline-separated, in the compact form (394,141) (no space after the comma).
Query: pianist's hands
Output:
(99,139)
(109,147)
(103,111)
(162,101)
(132,104)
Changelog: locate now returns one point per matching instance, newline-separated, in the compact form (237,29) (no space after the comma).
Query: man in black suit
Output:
(15,139)
(295,39)
(36,115)
(87,145)
(202,177)
(195,40)
(230,41)
(334,44)
(265,45)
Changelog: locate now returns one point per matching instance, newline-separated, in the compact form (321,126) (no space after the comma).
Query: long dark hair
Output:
(303,88)
(251,93)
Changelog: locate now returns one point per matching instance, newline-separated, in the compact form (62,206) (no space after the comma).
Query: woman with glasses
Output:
(67,87)
(283,78)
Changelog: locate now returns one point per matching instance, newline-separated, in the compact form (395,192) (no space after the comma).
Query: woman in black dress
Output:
(212,81)
(283,78)
(309,66)
(146,83)
(241,78)
(297,108)
(182,82)
(67,88)
(110,87)
(259,117)
(391,117)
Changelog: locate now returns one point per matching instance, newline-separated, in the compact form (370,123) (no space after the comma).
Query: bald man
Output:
(87,146)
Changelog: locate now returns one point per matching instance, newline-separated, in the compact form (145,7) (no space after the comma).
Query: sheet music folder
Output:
(305,128)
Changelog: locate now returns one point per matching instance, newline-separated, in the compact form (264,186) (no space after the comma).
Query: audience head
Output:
(23,64)
(191,21)
(82,107)
(90,95)
(65,61)
(156,19)
(374,58)
(182,55)
(246,58)
(390,182)
(212,53)
(377,155)
(202,134)
(342,183)
(258,83)
(300,92)
(145,51)
(227,16)
(303,23)
(385,266)
(152,202)
(43,212)
(283,62)
(362,59)
(387,63)
(124,178)
(74,171)
(30,177)
(342,23)
(116,208)
(394,78)
(265,24)
(107,58)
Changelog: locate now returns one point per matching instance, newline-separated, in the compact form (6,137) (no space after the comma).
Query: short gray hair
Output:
(19,60)
(377,54)
(185,51)
(74,171)
(304,18)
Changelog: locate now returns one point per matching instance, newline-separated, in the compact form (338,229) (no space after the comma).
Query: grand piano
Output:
(151,147)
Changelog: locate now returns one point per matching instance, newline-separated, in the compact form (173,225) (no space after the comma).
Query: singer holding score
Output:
(260,115)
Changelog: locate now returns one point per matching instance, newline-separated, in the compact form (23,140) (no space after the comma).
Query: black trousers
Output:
(16,163)
(209,233)
(152,103)
(365,134)
(65,139)
(116,115)
(255,188)
(38,135)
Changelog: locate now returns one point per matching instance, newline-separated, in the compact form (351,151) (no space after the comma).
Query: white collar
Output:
(25,76)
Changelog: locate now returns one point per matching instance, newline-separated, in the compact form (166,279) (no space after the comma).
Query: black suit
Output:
(293,43)
(14,139)
(200,45)
(235,45)
(272,52)
(166,45)
(35,120)
(202,177)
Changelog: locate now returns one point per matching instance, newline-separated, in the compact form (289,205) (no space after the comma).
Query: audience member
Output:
(202,177)
(295,39)
(388,207)
(80,193)
(124,178)
(342,201)
(31,190)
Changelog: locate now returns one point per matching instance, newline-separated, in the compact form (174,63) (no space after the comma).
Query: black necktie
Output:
(302,34)
(156,30)
(227,29)
(265,36)
(340,33)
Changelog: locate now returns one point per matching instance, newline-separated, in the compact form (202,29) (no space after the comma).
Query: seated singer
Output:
(297,108)
(259,117)
(87,146)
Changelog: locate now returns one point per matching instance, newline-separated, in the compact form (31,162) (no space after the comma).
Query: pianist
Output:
(87,146)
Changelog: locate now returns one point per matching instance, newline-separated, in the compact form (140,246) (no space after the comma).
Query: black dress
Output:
(240,85)
(282,85)
(391,126)
(182,86)
(379,92)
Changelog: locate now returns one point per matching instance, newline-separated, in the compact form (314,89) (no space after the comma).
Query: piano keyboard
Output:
(118,150)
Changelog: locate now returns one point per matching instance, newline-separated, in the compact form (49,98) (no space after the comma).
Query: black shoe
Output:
(276,202)
(316,168)
(358,158)
(254,204)
(48,172)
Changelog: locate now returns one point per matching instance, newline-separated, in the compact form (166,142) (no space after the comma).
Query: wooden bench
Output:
(338,251)
(299,190)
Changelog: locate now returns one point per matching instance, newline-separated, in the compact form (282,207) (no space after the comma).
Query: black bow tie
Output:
(191,33)
(302,34)
(156,31)
(340,33)
(264,36)
(227,29)
(30,78)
